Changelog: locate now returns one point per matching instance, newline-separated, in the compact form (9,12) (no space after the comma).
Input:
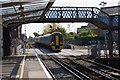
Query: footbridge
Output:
(82,14)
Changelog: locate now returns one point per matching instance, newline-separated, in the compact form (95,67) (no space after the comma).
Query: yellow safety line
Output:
(22,69)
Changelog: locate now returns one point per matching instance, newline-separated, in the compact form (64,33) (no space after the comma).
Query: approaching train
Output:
(54,41)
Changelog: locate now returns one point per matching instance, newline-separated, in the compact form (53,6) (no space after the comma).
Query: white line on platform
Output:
(45,70)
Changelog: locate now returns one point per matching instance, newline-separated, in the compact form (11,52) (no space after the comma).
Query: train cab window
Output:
(53,37)
(61,38)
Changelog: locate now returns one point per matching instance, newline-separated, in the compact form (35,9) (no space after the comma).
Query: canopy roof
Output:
(17,12)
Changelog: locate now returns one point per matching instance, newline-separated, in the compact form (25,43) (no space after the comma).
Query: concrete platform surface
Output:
(26,67)
(10,66)
(33,69)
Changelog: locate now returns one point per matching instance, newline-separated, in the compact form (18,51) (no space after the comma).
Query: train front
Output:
(56,41)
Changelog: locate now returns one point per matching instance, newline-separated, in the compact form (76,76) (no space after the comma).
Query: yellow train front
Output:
(54,41)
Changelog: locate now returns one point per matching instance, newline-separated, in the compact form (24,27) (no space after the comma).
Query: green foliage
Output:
(71,33)
(24,37)
(31,39)
(68,35)
(63,31)
(36,34)
(86,33)
(51,28)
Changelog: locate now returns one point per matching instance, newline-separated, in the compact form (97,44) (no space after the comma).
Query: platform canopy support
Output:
(119,42)
(110,44)
(1,40)
(1,36)
(6,41)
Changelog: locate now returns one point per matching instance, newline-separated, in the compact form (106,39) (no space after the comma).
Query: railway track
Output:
(87,69)
(62,71)
(59,71)
(93,69)
(107,69)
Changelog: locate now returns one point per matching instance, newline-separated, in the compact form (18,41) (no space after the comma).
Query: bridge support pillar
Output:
(119,42)
(6,41)
(110,44)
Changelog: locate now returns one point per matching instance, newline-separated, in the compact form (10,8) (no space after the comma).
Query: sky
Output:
(70,27)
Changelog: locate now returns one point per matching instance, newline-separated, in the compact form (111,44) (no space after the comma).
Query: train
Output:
(53,41)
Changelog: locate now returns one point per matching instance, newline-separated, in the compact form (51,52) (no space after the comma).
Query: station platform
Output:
(24,67)
(28,66)
(10,67)
(34,69)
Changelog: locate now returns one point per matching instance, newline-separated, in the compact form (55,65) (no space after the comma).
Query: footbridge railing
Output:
(78,14)
(115,21)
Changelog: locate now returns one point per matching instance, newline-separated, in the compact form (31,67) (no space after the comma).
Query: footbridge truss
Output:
(82,14)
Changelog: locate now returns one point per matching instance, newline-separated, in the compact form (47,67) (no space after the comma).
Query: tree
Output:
(86,33)
(63,31)
(48,29)
(36,34)
(24,37)
(51,28)
(30,39)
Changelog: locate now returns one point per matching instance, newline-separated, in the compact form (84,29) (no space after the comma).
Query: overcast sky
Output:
(38,27)
(84,3)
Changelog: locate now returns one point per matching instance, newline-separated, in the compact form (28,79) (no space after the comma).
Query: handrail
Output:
(78,12)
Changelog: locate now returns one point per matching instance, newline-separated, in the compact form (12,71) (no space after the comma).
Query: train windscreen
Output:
(57,39)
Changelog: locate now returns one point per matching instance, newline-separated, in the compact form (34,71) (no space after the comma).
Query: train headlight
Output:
(52,42)
(61,43)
